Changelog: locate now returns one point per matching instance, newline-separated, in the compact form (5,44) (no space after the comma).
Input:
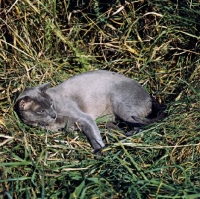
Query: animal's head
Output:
(35,107)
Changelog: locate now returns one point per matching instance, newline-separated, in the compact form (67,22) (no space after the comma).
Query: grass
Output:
(154,42)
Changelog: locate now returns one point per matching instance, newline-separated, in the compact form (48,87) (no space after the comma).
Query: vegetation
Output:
(155,42)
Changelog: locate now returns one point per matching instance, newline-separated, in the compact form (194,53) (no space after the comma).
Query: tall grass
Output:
(154,42)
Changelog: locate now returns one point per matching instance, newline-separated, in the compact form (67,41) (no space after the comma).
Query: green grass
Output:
(154,42)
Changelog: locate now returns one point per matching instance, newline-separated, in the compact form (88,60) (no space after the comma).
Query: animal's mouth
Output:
(43,124)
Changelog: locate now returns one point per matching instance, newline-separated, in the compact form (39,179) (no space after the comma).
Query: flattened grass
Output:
(154,42)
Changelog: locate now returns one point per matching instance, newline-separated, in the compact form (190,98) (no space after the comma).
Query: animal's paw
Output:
(135,131)
(99,151)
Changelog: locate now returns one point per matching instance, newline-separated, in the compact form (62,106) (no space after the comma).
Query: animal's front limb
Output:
(90,129)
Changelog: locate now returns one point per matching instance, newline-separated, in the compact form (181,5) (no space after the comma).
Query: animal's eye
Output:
(41,111)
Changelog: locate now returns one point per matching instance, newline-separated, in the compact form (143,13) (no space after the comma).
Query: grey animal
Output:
(78,101)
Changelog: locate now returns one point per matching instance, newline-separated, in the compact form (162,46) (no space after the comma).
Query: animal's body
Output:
(78,101)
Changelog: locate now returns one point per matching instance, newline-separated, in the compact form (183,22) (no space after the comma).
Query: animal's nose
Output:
(53,115)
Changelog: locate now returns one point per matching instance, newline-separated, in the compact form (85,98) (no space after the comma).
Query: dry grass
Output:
(154,42)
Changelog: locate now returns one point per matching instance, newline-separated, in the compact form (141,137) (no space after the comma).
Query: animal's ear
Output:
(44,86)
(25,103)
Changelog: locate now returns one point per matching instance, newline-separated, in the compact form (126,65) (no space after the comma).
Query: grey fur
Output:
(78,101)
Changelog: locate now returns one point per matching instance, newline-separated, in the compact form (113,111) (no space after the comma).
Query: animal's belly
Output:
(97,109)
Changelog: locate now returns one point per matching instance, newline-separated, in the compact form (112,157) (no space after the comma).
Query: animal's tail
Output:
(157,114)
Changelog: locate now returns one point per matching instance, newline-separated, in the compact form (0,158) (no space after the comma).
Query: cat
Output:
(78,101)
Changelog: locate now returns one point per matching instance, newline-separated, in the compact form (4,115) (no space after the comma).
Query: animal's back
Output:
(99,81)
